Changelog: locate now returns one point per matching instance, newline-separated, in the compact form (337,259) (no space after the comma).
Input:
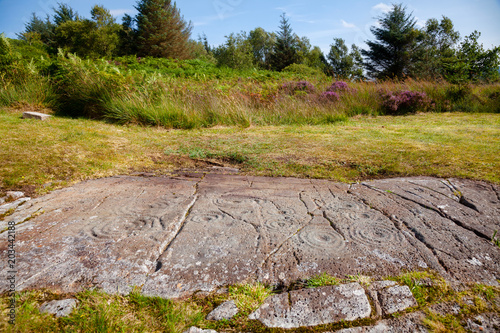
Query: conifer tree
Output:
(390,56)
(285,50)
(161,30)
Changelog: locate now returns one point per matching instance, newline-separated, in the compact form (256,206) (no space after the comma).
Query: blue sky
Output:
(320,21)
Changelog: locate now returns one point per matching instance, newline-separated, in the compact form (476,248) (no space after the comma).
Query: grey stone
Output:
(312,307)
(61,308)
(395,299)
(484,323)
(194,329)
(411,323)
(14,195)
(226,310)
(36,115)
(12,205)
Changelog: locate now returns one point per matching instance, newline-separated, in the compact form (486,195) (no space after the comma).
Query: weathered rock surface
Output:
(485,323)
(226,310)
(312,307)
(177,236)
(407,324)
(61,308)
(36,115)
(4,208)
(395,299)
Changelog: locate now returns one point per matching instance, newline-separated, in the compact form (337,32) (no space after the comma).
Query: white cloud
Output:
(420,23)
(382,7)
(120,12)
(348,25)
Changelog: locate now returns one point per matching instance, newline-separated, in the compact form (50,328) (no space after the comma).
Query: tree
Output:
(316,59)
(436,49)
(128,36)
(161,30)
(38,29)
(64,13)
(98,37)
(262,43)
(235,53)
(390,55)
(476,63)
(345,64)
(285,48)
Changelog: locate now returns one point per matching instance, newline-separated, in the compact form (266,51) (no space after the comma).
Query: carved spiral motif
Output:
(374,233)
(321,239)
(209,218)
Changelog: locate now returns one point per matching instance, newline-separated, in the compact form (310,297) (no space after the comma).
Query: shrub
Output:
(338,86)
(301,86)
(302,69)
(404,101)
(329,96)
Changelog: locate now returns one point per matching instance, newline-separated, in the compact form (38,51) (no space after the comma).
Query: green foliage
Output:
(236,53)
(390,55)
(345,64)
(161,30)
(6,56)
(84,86)
(285,50)
(302,70)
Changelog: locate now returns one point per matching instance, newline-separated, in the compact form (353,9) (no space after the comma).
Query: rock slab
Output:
(36,115)
(61,308)
(226,310)
(395,299)
(179,235)
(312,307)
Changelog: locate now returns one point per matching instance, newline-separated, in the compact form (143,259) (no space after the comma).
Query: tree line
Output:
(400,49)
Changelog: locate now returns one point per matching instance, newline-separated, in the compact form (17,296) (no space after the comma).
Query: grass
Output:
(60,151)
(321,280)
(494,239)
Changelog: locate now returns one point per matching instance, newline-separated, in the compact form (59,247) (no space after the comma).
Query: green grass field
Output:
(62,151)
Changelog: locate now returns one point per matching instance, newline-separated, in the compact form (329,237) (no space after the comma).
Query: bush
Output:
(329,96)
(302,69)
(292,88)
(403,102)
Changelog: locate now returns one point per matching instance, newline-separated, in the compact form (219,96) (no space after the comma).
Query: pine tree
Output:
(285,50)
(390,56)
(161,30)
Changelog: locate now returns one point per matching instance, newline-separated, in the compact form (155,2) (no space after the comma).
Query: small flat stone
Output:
(395,299)
(14,195)
(312,307)
(36,115)
(194,329)
(226,310)
(60,308)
